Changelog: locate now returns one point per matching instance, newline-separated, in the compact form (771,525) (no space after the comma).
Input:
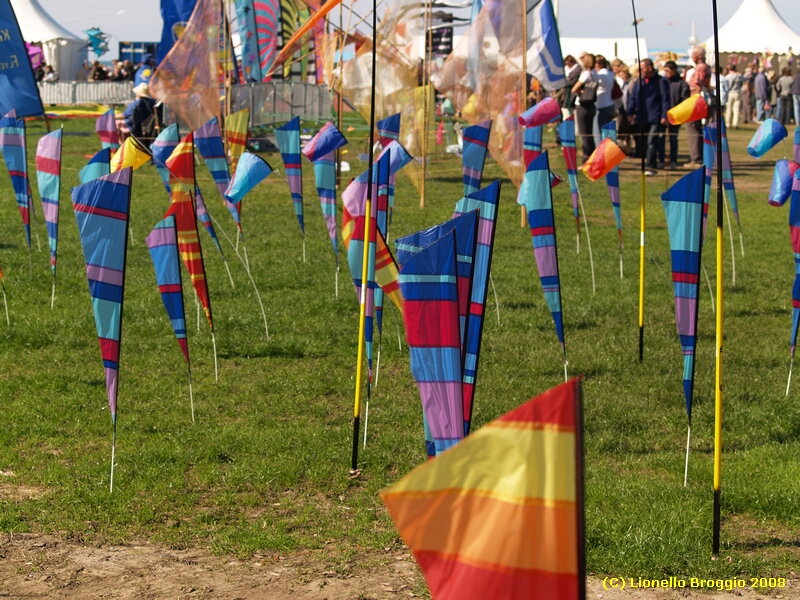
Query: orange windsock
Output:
(693,108)
(605,157)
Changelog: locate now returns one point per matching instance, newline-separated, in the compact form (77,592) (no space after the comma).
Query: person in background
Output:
(648,104)
(139,115)
(49,74)
(571,71)
(698,82)
(678,92)
(784,89)
(796,98)
(605,85)
(585,109)
(747,95)
(624,129)
(734,106)
(98,72)
(724,88)
(762,95)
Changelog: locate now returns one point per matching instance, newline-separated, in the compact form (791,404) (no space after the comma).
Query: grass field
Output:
(265,466)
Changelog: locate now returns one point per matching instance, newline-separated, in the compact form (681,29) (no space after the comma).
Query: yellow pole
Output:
(523,106)
(362,320)
(641,269)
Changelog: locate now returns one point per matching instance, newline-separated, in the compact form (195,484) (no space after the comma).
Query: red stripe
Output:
(48,165)
(556,406)
(476,308)
(542,230)
(685,277)
(103,212)
(171,287)
(449,579)
(109,349)
(432,323)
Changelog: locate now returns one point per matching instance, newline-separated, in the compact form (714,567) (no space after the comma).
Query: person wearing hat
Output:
(139,116)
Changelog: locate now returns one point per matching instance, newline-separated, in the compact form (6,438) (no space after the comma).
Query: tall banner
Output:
(175,14)
(17,84)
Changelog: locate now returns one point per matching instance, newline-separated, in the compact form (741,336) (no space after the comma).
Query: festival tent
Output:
(63,50)
(755,28)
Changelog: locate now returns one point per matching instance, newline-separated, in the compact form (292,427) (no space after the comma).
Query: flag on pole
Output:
(18,90)
(604,159)
(163,245)
(267,16)
(609,131)
(567,132)
(501,515)
(428,282)
(319,150)
(476,141)
(98,166)
(48,176)
(288,138)
(710,164)
(782,182)
(106,128)
(12,146)
(250,171)
(537,198)
(541,113)
(693,108)
(236,130)
(162,148)
(486,201)
(208,140)
(101,209)
(249,64)
(545,61)
(767,136)
(794,230)
(389,129)
(132,154)
(683,206)
(531,143)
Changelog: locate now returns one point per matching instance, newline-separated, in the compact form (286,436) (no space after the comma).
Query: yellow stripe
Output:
(529,426)
(504,463)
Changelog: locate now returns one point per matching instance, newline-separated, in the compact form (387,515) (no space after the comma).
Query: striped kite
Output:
(794,230)
(683,206)
(131,154)
(710,163)
(48,176)
(389,129)
(485,200)
(106,128)
(236,131)
(162,147)
(102,208)
(428,282)
(567,132)
(98,166)
(476,141)
(12,145)
(782,182)
(250,171)
(532,144)
(609,130)
(288,138)
(501,515)
(767,136)
(267,16)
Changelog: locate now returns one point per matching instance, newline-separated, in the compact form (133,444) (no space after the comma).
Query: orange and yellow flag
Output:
(236,129)
(693,108)
(500,515)
(604,158)
(131,154)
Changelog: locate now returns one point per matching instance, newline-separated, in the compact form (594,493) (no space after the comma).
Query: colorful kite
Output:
(389,129)
(486,201)
(163,245)
(604,159)
(288,138)
(567,132)
(683,205)
(319,150)
(532,144)
(536,197)
(236,130)
(208,140)
(541,113)
(250,171)
(12,146)
(101,208)
(428,282)
(267,16)
(609,131)
(782,181)
(501,515)
(106,128)
(132,154)
(162,148)
(797,144)
(48,175)
(766,137)
(97,167)
(693,108)
(794,230)
(476,140)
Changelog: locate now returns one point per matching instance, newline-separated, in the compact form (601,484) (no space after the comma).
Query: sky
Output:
(666,24)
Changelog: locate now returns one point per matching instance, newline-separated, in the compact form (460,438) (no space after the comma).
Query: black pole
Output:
(718,110)
(357,418)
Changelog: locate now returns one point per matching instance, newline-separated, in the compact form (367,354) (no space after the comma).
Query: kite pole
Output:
(5,304)
(113,449)
(718,369)
(214,344)
(53,293)
(733,247)
(710,292)
(642,202)
(523,215)
(686,470)
(791,366)
(496,303)
(191,394)
(588,240)
(362,317)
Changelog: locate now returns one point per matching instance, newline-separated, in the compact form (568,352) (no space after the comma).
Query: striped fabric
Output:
(101,208)
(609,130)
(537,198)
(106,128)
(710,164)
(532,144)
(208,140)
(501,515)
(181,166)
(683,205)
(288,138)
(12,145)
(267,15)
(163,245)
(485,200)
(782,182)
(767,136)
(99,165)
(236,131)
(132,154)
(389,129)
(251,170)
(567,132)
(205,218)
(250,64)
(797,144)
(319,150)
(48,176)
(428,282)
(794,230)
(162,147)
(476,141)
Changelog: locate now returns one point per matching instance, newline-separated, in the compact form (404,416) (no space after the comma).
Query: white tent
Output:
(611,48)
(756,28)
(62,49)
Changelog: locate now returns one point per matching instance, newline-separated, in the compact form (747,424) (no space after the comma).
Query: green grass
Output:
(264,468)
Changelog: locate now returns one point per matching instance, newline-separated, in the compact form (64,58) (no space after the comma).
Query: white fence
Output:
(71,93)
